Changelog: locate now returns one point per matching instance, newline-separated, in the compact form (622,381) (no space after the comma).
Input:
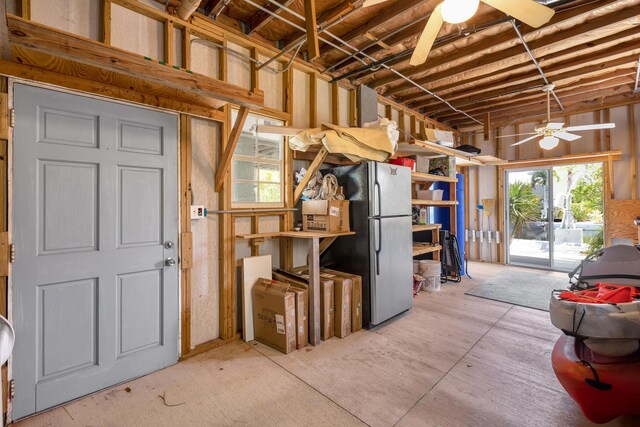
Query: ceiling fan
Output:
(458,11)
(552,133)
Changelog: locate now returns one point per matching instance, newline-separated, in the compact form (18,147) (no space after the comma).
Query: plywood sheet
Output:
(137,33)
(238,68)
(253,268)
(301,99)
(80,17)
(272,83)
(619,218)
(204,272)
(205,58)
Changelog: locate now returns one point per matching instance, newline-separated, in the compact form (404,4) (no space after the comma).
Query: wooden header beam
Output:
(72,47)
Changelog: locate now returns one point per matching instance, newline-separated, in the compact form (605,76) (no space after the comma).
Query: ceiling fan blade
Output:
(368,3)
(428,36)
(528,11)
(525,140)
(517,134)
(566,136)
(594,126)
(554,126)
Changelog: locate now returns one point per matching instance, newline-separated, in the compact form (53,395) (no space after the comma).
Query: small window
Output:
(256,170)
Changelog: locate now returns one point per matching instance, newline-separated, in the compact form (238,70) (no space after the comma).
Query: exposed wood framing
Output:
(353,113)
(261,18)
(255,76)
(313,100)
(185,232)
(312,30)
(632,151)
(564,160)
(43,39)
(169,52)
(311,171)
(335,103)
(225,160)
(110,91)
(106,22)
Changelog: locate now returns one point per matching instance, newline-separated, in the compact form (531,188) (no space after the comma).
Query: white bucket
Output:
(430,270)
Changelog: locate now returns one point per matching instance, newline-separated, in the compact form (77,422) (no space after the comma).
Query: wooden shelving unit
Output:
(426,227)
(426,248)
(427,177)
(438,203)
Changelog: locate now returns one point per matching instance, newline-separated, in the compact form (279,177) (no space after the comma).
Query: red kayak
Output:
(604,387)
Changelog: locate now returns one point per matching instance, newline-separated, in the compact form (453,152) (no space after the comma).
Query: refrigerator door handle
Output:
(378,246)
(378,190)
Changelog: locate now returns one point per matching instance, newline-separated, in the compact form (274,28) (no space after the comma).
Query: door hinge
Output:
(12,117)
(12,389)
(12,252)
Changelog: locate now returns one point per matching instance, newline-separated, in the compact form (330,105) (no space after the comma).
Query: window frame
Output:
(259,161)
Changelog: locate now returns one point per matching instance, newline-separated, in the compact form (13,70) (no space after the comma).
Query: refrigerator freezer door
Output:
(391,267)
(390,189)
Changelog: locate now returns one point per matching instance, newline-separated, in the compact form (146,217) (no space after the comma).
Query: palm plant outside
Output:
(524,206)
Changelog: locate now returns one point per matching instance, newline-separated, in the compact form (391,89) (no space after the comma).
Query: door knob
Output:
(169,262)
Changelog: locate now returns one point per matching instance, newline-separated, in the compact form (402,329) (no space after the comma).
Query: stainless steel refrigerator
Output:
(381,250)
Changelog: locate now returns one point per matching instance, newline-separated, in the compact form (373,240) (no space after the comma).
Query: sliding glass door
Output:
(554,215)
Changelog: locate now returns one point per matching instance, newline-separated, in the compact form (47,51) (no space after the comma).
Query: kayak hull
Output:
(615,391)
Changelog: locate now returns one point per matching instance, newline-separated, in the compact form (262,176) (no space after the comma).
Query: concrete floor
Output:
(453,360)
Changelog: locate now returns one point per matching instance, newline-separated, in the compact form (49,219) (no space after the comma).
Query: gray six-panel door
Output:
(94,202)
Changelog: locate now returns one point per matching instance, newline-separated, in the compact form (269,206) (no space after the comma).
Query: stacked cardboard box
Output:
(274,314)
(352,297)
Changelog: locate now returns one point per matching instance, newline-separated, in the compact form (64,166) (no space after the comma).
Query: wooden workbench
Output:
(314,269)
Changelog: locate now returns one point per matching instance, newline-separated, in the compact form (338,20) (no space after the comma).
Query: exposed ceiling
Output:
(590,50)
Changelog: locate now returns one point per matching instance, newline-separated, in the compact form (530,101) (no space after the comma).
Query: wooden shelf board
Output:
(297,234)
(421,250)
(426,227)
(434,202)
(427,177)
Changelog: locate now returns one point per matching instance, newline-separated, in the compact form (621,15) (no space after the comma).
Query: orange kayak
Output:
(604,387)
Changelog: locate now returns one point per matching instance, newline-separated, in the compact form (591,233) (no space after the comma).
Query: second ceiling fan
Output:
(458,11)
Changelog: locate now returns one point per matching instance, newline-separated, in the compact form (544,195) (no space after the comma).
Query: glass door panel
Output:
(528,217)
(578,192)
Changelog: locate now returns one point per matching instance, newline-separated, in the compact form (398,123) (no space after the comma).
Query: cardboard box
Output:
(356,293)
(326,299)
(300,288)
(274,315)
(404,161)
(330,216)
(342,306)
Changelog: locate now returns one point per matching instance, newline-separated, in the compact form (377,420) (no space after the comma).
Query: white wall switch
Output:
(198,212)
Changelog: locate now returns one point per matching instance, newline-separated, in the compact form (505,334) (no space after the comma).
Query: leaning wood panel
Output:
(33,36)
(619,216)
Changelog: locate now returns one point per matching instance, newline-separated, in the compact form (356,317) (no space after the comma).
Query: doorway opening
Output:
(554,215)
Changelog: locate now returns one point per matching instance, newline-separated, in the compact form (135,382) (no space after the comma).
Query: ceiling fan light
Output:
(457,11)
(549,142)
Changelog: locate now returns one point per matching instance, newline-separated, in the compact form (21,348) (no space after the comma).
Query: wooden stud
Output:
(311,171)
(311,26)
(226,251)
(169,50)
(476,201)
(313,100)
(567,123)
(335,103)
(186,49)
(412,126)
(497,195)
(255,76)
(353,108)
(597,118)
(185,232)
(607,165)
(69,46)
(225,159)
(388,111)
(5,50)
(632,151)
(25,9)
(106,22)
(487,126)
(401,118)
(501,225)
(607,132)
(255,229)
(516,130)
(4,115)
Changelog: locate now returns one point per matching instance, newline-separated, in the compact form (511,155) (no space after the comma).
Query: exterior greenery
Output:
(524,206)
(587,201)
